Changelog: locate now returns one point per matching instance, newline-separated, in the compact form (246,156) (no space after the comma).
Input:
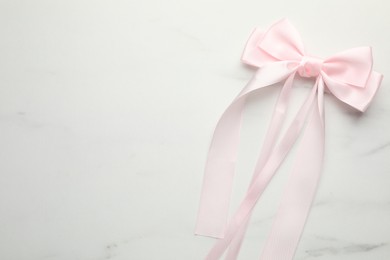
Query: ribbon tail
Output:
(270,139)
(220,165)
(219,174)
(301,189)
(263,178)
(235,246)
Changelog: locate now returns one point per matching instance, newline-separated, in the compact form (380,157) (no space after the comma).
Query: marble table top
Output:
(107,110)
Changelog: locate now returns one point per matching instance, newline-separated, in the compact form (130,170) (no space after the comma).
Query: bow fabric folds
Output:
(279,54)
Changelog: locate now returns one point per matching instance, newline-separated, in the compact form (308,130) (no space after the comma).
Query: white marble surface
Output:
(106,113)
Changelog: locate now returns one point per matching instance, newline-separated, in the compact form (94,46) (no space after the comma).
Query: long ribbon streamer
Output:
(269,142)
(263,178)
(301,187)
(219,171)
(236,243)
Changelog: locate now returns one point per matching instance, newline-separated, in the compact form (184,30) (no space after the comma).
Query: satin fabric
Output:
(279,54)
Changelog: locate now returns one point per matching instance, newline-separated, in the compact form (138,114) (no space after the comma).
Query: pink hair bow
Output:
(279,54)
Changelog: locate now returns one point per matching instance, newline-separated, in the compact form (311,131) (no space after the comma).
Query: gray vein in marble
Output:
(22,119)
(377,149)
(195,40)
(188,35)
(325,238)
(351,203)
(320,203)
(349,249)
(111,251)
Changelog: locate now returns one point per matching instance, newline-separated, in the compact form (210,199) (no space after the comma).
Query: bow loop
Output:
(356,97)
(252,54)
(282,41)
(352,67)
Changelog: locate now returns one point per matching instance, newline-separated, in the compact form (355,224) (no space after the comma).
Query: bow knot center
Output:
(310,67)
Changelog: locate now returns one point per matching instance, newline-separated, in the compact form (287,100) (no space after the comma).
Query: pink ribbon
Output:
(279,54)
